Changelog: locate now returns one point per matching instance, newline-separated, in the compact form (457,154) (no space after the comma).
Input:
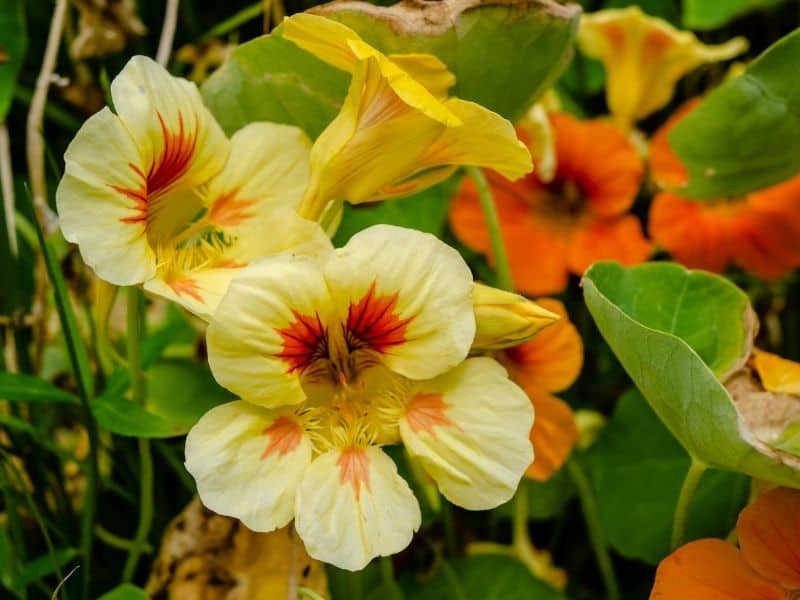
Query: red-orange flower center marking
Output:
(166,169)
(284,436)
(304,340)
(354,469)
(426,411)
(230,211)
(372,322)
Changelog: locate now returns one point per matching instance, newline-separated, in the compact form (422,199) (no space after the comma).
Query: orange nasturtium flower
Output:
(579,217)
(759,231)
(644,58)
(401,98)
(548,364)
(334,358)
(765,567)
(155,194)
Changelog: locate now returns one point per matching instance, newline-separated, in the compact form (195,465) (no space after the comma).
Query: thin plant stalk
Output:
(688,489)
(167,33)
(145,453)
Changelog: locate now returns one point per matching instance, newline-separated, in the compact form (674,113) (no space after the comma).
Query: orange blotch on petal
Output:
(425,412)
(373,323)
(230,211)
(769,535)
(711,570)
(186,287)
(304,340)
(354,470)
(284,435)
(552,360)
(553,436)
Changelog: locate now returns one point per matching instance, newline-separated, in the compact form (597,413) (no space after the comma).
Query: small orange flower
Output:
(765,567)
(548,364)
(552,229)
(759,232)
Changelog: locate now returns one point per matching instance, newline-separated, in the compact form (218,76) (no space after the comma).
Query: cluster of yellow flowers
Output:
(333,352)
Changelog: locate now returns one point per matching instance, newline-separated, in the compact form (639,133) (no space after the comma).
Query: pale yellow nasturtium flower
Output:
(644,58)
(398,131)
(156,194)
(334,358)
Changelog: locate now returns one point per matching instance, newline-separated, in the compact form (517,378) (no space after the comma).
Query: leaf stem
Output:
(499,254)
(387,576)
(145,456)
(688,489)
(595,529)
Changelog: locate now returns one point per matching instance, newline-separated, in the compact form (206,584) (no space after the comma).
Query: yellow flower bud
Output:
(505,319)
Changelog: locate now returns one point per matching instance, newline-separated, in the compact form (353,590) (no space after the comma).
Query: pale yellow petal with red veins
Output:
(470,430)
(352,506)
(269,329)
(93,211)
(268,166)
(180,144)
(248,462)
(406,296)
(199,282)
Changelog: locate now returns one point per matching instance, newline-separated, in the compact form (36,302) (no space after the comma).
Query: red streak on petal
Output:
(284,437)
(304,340)
(354,469)
(172,163)
(228,211)
(186,287)
(372,322)
(426,411)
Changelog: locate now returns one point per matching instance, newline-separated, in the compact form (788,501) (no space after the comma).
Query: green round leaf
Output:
(746,134)
(637,469)
(675,332)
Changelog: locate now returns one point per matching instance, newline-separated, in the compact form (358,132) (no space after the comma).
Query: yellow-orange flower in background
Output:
(397,131)
(155,194)
(777,374)
(546,365)
(765,567)
(335,358)
(580,217)
(644,58)
(759,231)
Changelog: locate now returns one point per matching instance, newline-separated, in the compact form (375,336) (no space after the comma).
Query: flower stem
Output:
(689,487)
(502,266)
(145,456)
(387,576)
(596,536)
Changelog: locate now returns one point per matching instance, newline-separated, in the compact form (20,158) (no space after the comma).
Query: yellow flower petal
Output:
(94,210)
(779,375)
(428,286)
(484,140)
(324,38)
(248,462)
(269,322)
(428,70)
(470,430)
(353,506)
(644,58)
(181,144)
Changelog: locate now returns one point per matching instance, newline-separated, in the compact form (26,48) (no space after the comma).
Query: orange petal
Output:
(600,159)
(553,435)
(710,570)
(696,234)
(777,374)
(619,238)
(665,167)
(552,360)
(536,249)
(769,535)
